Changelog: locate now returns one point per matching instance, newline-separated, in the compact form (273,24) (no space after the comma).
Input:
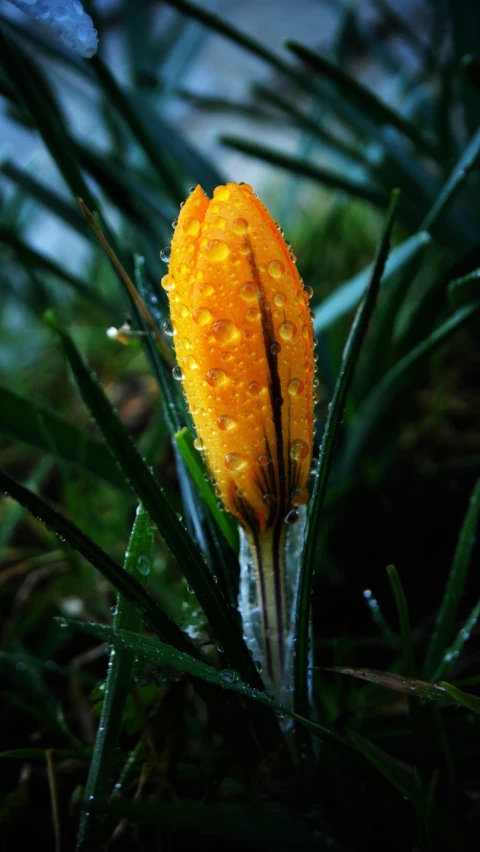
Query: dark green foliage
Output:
(175,743)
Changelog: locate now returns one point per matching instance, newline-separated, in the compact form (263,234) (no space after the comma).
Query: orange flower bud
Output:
(243,341)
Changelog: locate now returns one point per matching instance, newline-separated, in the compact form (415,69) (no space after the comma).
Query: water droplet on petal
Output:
(252,314)
(226,423)
(295,387)
(249,291)
(168,328)
(225,331)
(254,388)
(198,444)
(269,499)
(234,461)
(216,378)
(221,193)
(217,250)
(275,268)
(191,362)
(280,300)
(191,226)
(263,460)
(167,282)
(239,227)
(287,330)
(275,348)
(202,316)
(292,517)
(165,254)
(299,449)
(177,374)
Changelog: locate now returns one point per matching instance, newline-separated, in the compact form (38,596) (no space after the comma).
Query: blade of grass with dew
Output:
(346,296)
(464,290)
(45,196)
(376,614)
(171,529)
(30,257)
(376,109)
(15,513)
(456,647)
(403,618)
(27,421)
(336,180)
(455,587)
(159,622)
(393,681)
(395,382)
(332,427)
(138,559)
(158,653)
(197,471)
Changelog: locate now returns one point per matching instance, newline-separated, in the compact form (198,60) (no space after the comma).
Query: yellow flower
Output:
(243,341)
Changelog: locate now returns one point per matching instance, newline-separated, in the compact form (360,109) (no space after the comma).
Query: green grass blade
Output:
(25,420)
(332,427)
(464,699)
(456,647)
(400,779)
(346,296)
(171,529)
(125,584)
(379,619)
(403,618)
(454,588)
(395,382)
(465,290)
(30,257)
(370,105)
(15,513)
(197,471)
(457,178)
(158,653)
(138,559)
(299,166)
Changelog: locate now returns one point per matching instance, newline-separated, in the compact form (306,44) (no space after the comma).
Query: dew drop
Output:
(254,388)
(287,330)
(191,226)
(206,289)
(252,314)
(167,282)
(191,362)
(239,227)
(221,193)
(225,331)
(275,269)
(263,460)
(198,444)
(216,378)
(295,387)
(292,517)
(177,374)
(183,311)
(249,291)
(234,461)
(217,250)
(226,423)
(279,300)
(299,496)
(227,356)
(168,328)
(202,316)
(269,499)
(143,565)
(275,348)
(165,254)
(299,449)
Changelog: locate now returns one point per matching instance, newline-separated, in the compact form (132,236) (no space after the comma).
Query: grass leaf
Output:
(403,618)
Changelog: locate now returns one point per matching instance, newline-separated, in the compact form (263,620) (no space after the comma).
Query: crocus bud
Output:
(243,341)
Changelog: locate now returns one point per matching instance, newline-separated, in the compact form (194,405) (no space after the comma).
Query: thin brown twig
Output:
(52,784)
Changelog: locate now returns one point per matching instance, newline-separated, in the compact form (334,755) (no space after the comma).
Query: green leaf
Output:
(197,471)
(457,178)
(464,699)
(138,558)
(347,295)
(374,108)
(158,653)
(25,420)
(336,180)
(404,619)
(172,530)
(454,589)
(463,636)
(14,514)
(160,623)
(389,769)
(379,401)
(332,428)
(410,686)
(462,291)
